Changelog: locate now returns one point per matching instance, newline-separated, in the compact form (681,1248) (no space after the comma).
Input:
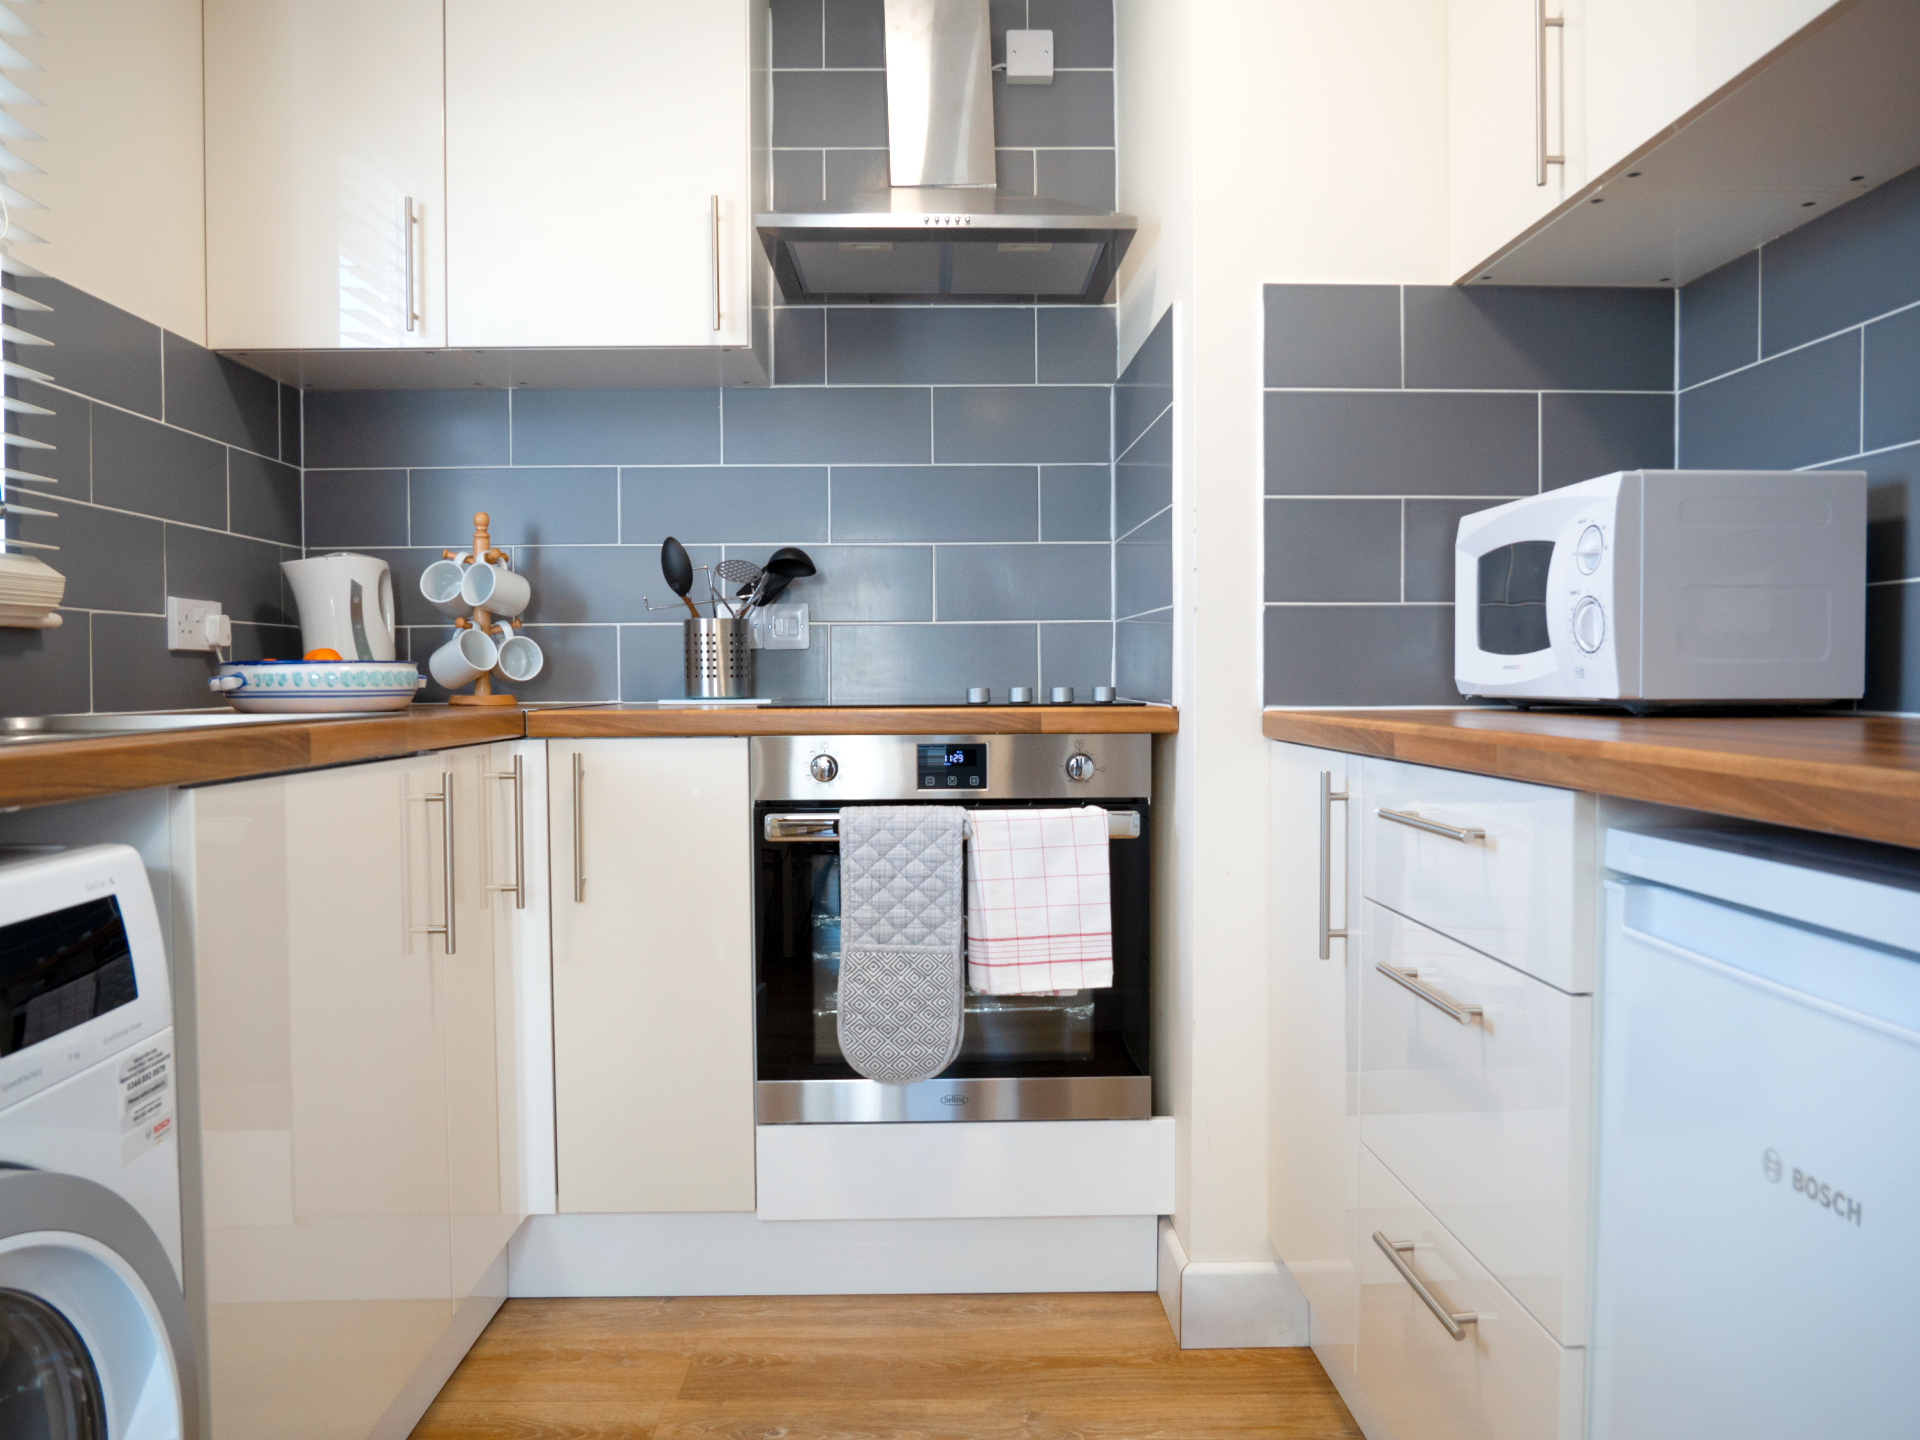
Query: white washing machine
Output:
(94,1343)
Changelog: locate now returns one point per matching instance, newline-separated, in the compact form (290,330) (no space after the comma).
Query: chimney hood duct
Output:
(942,230)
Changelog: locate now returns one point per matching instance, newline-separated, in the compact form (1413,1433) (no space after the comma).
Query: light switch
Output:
(779,627)
(1029,57)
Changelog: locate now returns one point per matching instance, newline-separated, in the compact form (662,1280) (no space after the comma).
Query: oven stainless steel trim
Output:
(825,825)
(886,767)
(1066,1097)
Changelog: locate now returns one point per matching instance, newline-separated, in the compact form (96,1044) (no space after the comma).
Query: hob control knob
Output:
(823,768)
(1589,625)
(1080,767)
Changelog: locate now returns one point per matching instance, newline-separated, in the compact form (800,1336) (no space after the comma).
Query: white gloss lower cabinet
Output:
(652,974)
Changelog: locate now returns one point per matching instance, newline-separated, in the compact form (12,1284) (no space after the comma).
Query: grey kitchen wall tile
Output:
(1360,655)
(145,466)
(1892,400)
(1143,477)
(1858,262)
(937,502)
(848,173)
(930,345)
(1143,568)
(1013,171)
(781,504)
(112,561)
(1076,110)
(263,497)
(67,430)
(1401,443)
(1076,502)
(353,429)
(1050,424)
(615,427)
(266,642)
(242,574)
(1431,527)
(582,662)
(525,506)
(134,670)
(652,662)
(860,582)
(1582,436)
(799,346)
(48,670)
(1002,16)
(797,674)
(1143,658)
(97,348)
(1893,648)
(830,108)
(1145,387)
(1078,655)
(353,509)
(1333,336)
(1333,550)
(290,425)
(798,178)
(1796,409)
(1893,511)
(582,584)
(1023,582)
(1539,338)
(1082,31)
(405,564)
(849,426)
(1080,177)
(797,30)
(933,664)
(220,398)
(1076,344)
(856,33)
(1720,320)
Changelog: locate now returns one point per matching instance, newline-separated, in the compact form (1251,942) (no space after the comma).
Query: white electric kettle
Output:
(346,605)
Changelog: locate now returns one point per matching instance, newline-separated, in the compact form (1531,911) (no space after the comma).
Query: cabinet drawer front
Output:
(1486,1121)
(1500,866)
(1504,1379)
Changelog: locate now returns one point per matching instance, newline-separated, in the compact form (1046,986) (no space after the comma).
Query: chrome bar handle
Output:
(1462,833)
(412,312)
(445,801)
(1439,999)
(1543,23)
(1327,797)
(579,831)
(1453,1320)
(519,885)
(713,227)
(825,825)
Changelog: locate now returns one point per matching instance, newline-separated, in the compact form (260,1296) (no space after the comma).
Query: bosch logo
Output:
(956,1099)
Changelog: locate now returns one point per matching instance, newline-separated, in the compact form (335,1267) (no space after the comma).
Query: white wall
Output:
(1260,141)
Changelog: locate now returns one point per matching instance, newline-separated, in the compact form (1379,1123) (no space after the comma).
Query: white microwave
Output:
(1656,588)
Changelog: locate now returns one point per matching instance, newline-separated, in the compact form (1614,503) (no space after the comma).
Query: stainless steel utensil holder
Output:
(719,659)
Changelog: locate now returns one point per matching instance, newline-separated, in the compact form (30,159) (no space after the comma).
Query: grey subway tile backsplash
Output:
(799,346)
(562,505)
(49,672)
(1080,177)
(1051,424)
(1893,511)
(1582,436)
(1720,320)
(290,426)
(830,425)
(1430,529)
(1076,655)
(798,30)
(861,583)
(930,345)
(134,670)
(96,349)
(1144,390)
(1893,648)
(123,558)
(652,662)
(797,674)
(1890,413)
(68,430)
(242,574)
(594,584)
(829,108)
(779,504)
(1401,443)
(1075,111)
(144,466)
(933,664)
(1334,337)
(1023,582)
(798,178)
(1859,262)
(1360,655)
(1333,550)
(1013,172)
(356,509)
(1798,409)
(355,429)
(220,398)
(1143,657)
(847,173)
(1538,338)
(1076,345)
(1082,31)
(1143,568)
(1076,502)
(856,33)
(263,497)
(941,502)
(615,427)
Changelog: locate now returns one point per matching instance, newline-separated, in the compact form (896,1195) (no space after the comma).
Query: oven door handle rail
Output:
(825,825)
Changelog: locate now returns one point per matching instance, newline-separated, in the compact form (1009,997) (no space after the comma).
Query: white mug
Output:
(464,659)
(520,658)
(495,589)
(440,583)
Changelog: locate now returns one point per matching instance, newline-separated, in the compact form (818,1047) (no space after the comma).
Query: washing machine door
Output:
(94,1342)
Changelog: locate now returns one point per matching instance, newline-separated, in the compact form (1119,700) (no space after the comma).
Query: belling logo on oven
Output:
(956,1099)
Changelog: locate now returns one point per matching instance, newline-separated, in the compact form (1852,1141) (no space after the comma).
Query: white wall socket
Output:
(1029,57)
(197,625)
(778,627)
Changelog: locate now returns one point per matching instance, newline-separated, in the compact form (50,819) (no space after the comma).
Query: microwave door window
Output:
(1513,598)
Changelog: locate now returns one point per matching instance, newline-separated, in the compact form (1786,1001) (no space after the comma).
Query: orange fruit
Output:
(321,655)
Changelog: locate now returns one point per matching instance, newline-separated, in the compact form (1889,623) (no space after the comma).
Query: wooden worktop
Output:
(45,772)
(1846,774)
(851,720)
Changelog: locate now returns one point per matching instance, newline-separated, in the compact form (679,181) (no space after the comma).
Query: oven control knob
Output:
(1589,624)
(823,768)
(1588,549)
(1079,767)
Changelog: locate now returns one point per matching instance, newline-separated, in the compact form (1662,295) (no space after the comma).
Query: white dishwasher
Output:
(1757,1230)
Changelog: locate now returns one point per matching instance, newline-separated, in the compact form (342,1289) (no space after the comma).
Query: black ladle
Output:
(677,566)
(783,567)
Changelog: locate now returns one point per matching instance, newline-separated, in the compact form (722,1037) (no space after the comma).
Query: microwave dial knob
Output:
(1589,624)
(1080,767)
(1587,553)
(823,768)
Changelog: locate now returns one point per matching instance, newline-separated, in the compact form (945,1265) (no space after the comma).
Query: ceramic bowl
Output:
(317,686)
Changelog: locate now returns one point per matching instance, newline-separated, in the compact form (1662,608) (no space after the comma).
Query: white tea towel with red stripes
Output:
(1039,908)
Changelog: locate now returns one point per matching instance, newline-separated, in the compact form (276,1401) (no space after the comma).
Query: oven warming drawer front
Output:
(846,1102)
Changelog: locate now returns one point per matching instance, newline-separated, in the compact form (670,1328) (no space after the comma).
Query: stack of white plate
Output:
(29,589)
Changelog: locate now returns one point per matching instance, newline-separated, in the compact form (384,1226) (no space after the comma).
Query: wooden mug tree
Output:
(483,554)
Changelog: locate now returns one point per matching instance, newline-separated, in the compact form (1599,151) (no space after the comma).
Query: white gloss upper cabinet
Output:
(323,120)
(588,146)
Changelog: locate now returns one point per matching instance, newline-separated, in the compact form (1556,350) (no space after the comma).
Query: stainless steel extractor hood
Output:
(942,229)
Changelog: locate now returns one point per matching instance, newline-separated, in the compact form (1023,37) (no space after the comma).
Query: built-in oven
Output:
(1077,1056)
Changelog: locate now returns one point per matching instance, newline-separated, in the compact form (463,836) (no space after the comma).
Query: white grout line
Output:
(1862,441)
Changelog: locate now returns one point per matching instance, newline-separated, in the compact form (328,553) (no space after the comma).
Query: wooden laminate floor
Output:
(906,1367)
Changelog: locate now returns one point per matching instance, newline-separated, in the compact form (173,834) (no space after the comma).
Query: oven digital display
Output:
(953,767)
